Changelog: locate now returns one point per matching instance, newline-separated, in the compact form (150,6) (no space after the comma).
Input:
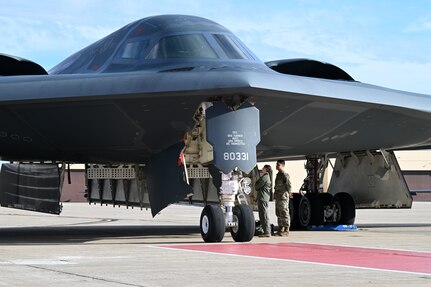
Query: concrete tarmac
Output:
(106,246)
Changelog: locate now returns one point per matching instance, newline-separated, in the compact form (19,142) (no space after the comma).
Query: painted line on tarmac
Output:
(353,257)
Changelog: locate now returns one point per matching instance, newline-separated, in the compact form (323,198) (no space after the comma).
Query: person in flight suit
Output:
(282,193)
(263,187)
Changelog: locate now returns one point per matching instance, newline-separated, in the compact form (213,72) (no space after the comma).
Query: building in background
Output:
(416,168)
(75,190)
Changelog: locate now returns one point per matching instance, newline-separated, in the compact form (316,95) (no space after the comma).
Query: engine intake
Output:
(309,68)
(15,66)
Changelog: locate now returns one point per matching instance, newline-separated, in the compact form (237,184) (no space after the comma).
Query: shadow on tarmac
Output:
(386,225)
(85,234)
(125,234)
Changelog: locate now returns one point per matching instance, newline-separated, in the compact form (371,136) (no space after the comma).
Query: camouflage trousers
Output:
(282,210)
(263,215)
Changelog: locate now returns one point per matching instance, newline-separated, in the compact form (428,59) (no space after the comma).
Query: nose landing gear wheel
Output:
(245,228)
(212,224)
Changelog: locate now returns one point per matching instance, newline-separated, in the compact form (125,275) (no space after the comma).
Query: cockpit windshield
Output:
(133,50)
(182,46)
(229,47)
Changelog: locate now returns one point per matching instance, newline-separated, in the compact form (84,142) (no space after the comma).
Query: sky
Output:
(387,43)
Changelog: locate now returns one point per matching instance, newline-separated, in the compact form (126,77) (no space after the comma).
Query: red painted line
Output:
(384,259)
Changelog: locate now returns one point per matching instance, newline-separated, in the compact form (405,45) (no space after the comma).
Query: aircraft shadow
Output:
(82,234)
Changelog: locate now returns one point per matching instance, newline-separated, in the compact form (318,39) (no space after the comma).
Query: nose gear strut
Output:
(233,134)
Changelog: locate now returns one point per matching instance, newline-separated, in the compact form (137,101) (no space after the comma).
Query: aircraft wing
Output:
(128,117)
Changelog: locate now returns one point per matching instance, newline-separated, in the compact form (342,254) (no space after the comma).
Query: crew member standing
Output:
(263,188)
(282,192)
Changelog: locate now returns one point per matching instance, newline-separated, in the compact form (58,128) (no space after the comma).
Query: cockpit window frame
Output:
(223,40)
(153,40)
(141,52)
(202,35)
(244,48)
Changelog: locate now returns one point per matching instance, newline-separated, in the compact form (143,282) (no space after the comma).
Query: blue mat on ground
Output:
(333,227)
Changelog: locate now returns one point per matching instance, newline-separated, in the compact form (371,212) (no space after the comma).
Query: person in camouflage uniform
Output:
(282,192)
(263,187)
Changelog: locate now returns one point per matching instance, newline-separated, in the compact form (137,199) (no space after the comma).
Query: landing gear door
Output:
(374,180)
(166,180)
(234,135)
(33,187)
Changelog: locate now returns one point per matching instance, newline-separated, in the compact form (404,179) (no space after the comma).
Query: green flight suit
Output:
(263,188)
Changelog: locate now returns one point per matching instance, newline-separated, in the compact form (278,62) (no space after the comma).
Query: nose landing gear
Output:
(238,218)
(233,132)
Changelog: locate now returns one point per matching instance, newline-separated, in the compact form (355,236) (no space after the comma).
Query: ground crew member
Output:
(282,193)
(263,188)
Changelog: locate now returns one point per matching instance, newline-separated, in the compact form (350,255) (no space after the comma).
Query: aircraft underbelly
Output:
(135,128)
(100,131)
(303,128)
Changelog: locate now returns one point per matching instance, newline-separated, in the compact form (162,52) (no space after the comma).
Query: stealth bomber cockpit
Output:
(168,43)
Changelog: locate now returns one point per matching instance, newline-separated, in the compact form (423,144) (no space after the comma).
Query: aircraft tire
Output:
(304,212)
(212,224)
(346,208)
(326,199)
(294,211)
(244,232)
(317,210)
(311,210)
